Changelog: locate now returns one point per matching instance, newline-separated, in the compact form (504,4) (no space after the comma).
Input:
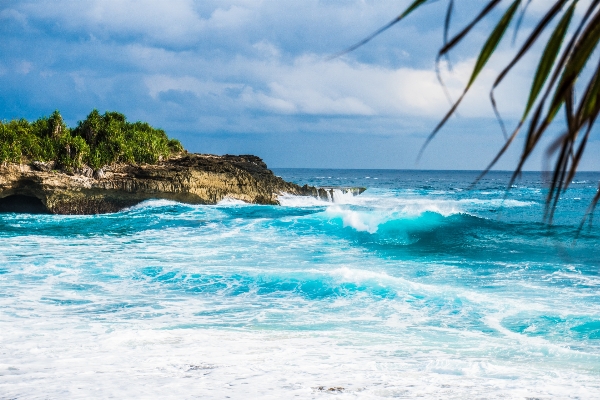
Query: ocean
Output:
(419,287)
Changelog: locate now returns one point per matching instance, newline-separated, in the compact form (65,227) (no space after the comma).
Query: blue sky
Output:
(253,77)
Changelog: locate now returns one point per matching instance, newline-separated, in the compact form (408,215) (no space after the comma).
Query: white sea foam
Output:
(361,221)
(410,205)
(287,305)
(141,362)
(360,276)
(369,220)
(288,200)
(343,197)
(153,203)
(230,201)
(365,213)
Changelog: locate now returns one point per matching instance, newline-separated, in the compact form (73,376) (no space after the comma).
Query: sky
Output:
(255,77)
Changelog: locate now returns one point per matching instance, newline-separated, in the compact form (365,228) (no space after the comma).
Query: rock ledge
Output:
(191,178)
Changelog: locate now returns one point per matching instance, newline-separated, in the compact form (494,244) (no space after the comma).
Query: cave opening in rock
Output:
(22,204)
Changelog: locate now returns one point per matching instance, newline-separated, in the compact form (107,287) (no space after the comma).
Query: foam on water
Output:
(289,200)
(399,292)
(231,201)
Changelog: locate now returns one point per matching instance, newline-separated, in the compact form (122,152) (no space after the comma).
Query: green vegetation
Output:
(97,141)
(570,39)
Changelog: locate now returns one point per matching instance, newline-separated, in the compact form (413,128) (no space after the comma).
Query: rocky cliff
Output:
(192,178)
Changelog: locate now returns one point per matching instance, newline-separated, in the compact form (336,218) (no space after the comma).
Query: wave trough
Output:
(416,288)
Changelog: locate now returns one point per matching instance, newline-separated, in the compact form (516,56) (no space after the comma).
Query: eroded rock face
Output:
(192,178)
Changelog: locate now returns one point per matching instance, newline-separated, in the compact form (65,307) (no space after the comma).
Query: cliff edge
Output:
(190,178)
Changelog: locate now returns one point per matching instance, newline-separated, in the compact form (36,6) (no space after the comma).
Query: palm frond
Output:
(561,64)
(546,62)
(447,29)
(484,55)
(416,4)
(520,21)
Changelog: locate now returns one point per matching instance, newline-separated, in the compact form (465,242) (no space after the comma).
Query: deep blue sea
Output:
(419,287)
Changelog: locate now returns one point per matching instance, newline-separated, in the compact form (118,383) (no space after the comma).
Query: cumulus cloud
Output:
(163,83)
(24,67)
(314,86)
(170,21)
(265,75)
(240,66)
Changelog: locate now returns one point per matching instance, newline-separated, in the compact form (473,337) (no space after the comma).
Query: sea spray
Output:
(417,287)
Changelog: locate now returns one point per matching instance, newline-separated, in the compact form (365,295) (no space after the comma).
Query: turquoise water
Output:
(417,287)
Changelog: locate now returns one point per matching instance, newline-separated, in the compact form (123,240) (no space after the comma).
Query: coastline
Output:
(189,178)
(415,288)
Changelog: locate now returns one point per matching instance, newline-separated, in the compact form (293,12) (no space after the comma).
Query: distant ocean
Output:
(418,287)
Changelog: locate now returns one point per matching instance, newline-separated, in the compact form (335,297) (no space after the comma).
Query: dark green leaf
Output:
(447,20)
(488,48)
(492,42)
(524,49)
(416,4)
(520,20)
(589,103)
(548,58)
(456,39)
(578,58)
(536,130)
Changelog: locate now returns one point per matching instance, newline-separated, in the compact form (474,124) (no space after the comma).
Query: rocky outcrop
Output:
(191,178)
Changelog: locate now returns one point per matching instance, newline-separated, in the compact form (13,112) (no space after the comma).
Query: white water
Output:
(391,294)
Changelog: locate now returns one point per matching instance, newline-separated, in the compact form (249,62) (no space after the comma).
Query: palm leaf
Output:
(581,53)
(586,116)
(590,211)
(493,41)
(563,94)
(590,102)
(535,132)
(548,58)
(552,49)
(520,20)
(448,45)
(486,52)
(456,39)
(416,4)
(447,28)
(558,75)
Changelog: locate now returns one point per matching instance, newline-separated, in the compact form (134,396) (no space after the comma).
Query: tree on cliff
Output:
(99,140)
(572,41)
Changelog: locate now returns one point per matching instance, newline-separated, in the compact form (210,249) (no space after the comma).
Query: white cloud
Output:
(266,49)
(313,86)
(24,67)
(188,22)
(163,83)
(164,21)
(307,84)
(259,100)
(12,14)
(259,74)
(233,16)
(249,66)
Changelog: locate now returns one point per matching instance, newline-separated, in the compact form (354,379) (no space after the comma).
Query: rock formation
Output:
(191,178)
